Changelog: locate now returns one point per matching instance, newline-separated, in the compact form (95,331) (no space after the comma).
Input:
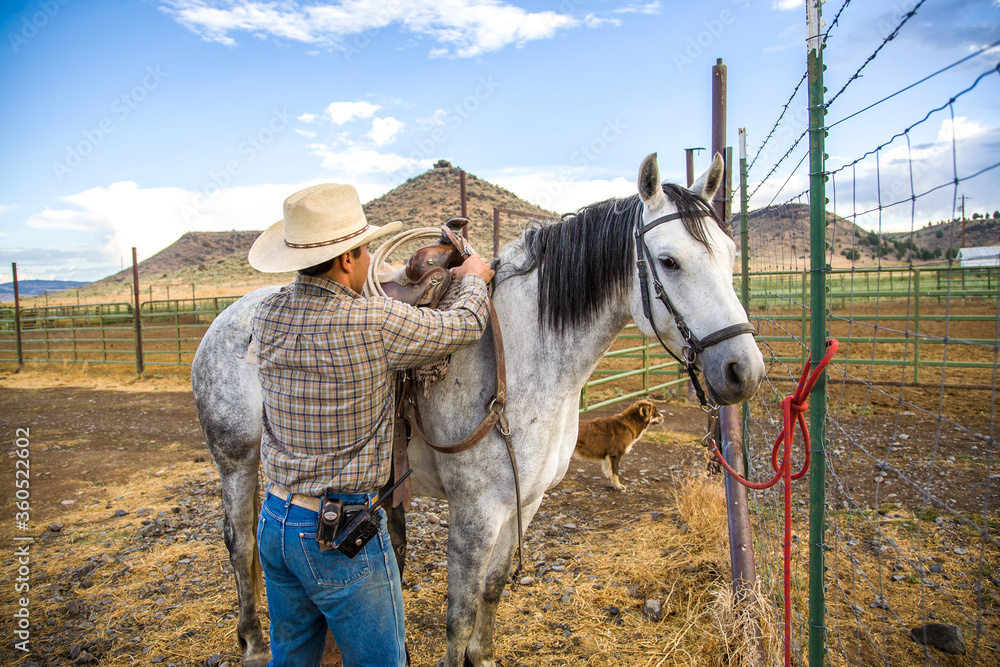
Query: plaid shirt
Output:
(326,359)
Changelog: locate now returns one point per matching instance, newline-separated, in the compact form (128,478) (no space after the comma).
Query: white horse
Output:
(563,292)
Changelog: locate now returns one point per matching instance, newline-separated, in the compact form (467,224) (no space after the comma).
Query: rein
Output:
(693,345)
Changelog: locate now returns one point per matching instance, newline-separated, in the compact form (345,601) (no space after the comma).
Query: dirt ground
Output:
(111,444)
(137,572)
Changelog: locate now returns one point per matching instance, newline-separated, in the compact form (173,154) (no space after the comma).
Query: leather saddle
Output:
(425,277)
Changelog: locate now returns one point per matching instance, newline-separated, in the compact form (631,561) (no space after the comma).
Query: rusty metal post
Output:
(465,206)
(17,319)
(137,314)
(740,537)
(719,128)
(689,159)
(496,232)
(738,513)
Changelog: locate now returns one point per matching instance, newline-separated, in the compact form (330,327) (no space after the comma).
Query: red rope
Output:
(794,407)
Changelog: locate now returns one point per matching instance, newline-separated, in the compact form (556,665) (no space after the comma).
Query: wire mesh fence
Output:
(910,522)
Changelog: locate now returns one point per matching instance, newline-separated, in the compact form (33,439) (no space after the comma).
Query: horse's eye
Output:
(668,263)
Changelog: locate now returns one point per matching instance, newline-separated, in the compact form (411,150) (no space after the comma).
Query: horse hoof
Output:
(259,660)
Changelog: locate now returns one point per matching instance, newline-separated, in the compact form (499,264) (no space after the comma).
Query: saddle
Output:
(426,277)
(423,282)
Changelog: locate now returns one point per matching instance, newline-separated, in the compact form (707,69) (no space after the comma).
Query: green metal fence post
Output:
(744,283)
(805,276)
(817,242)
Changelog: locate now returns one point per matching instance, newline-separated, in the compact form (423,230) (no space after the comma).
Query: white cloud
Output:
(7,208)
(560,189)
(341,112)
(792,36)
(961,128)
(593,21)
(384,130)
(439,117)
(67,220)
(648,8)
(353,160)
(464,28)
(106,222)
(786,5)
(307,117)
(305,133)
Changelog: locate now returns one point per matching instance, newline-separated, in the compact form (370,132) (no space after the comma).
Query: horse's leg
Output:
(472,539)
(241,502)
(479,652)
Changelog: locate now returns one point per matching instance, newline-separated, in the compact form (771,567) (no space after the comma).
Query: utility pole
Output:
(963,219)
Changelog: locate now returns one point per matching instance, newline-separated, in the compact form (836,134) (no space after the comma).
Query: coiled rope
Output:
(381,254)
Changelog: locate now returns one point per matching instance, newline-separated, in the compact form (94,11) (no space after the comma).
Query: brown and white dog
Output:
(608,439)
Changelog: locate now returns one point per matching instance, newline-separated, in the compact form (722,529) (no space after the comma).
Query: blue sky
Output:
(130,122)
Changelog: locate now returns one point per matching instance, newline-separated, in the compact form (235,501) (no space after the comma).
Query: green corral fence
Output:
(106,332)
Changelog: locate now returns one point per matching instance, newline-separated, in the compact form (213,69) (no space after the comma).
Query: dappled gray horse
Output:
(563,292)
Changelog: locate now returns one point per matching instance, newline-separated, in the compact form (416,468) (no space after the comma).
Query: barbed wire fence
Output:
(909,524)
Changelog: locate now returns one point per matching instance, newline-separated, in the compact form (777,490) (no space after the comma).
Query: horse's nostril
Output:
(733,374)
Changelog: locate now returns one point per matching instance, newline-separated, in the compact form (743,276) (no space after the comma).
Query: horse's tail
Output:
(256,570)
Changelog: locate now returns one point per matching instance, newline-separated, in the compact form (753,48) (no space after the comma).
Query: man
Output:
(326,358)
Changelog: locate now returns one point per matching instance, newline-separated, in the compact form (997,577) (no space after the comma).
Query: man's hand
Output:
(474,266)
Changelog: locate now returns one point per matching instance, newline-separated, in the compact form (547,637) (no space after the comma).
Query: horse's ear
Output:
(650,189)
(709,182)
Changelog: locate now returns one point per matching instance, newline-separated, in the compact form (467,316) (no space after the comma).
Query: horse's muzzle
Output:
(733,370)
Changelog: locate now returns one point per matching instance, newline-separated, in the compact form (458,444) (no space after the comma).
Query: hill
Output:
(779,236)
(28,288)
(190,250)
(434,196)
(216,262)
(945,236)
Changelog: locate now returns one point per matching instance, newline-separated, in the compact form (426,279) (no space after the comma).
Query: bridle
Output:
(693,346)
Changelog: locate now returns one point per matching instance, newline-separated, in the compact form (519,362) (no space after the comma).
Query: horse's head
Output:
(692,257)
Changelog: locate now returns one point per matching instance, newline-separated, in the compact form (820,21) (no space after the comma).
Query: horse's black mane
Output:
(588,257)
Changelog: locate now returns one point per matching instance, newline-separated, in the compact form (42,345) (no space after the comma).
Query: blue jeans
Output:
(360,599)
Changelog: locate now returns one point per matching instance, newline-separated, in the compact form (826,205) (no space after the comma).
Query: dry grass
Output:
(187,626)
(680,558)
(94,376)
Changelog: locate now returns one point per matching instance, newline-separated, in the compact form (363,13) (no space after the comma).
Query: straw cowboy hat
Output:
(321,222)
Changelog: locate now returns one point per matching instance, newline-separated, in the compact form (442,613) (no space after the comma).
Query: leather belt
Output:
(308,502)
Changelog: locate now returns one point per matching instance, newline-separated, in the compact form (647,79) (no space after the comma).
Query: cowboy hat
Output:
(320,223)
